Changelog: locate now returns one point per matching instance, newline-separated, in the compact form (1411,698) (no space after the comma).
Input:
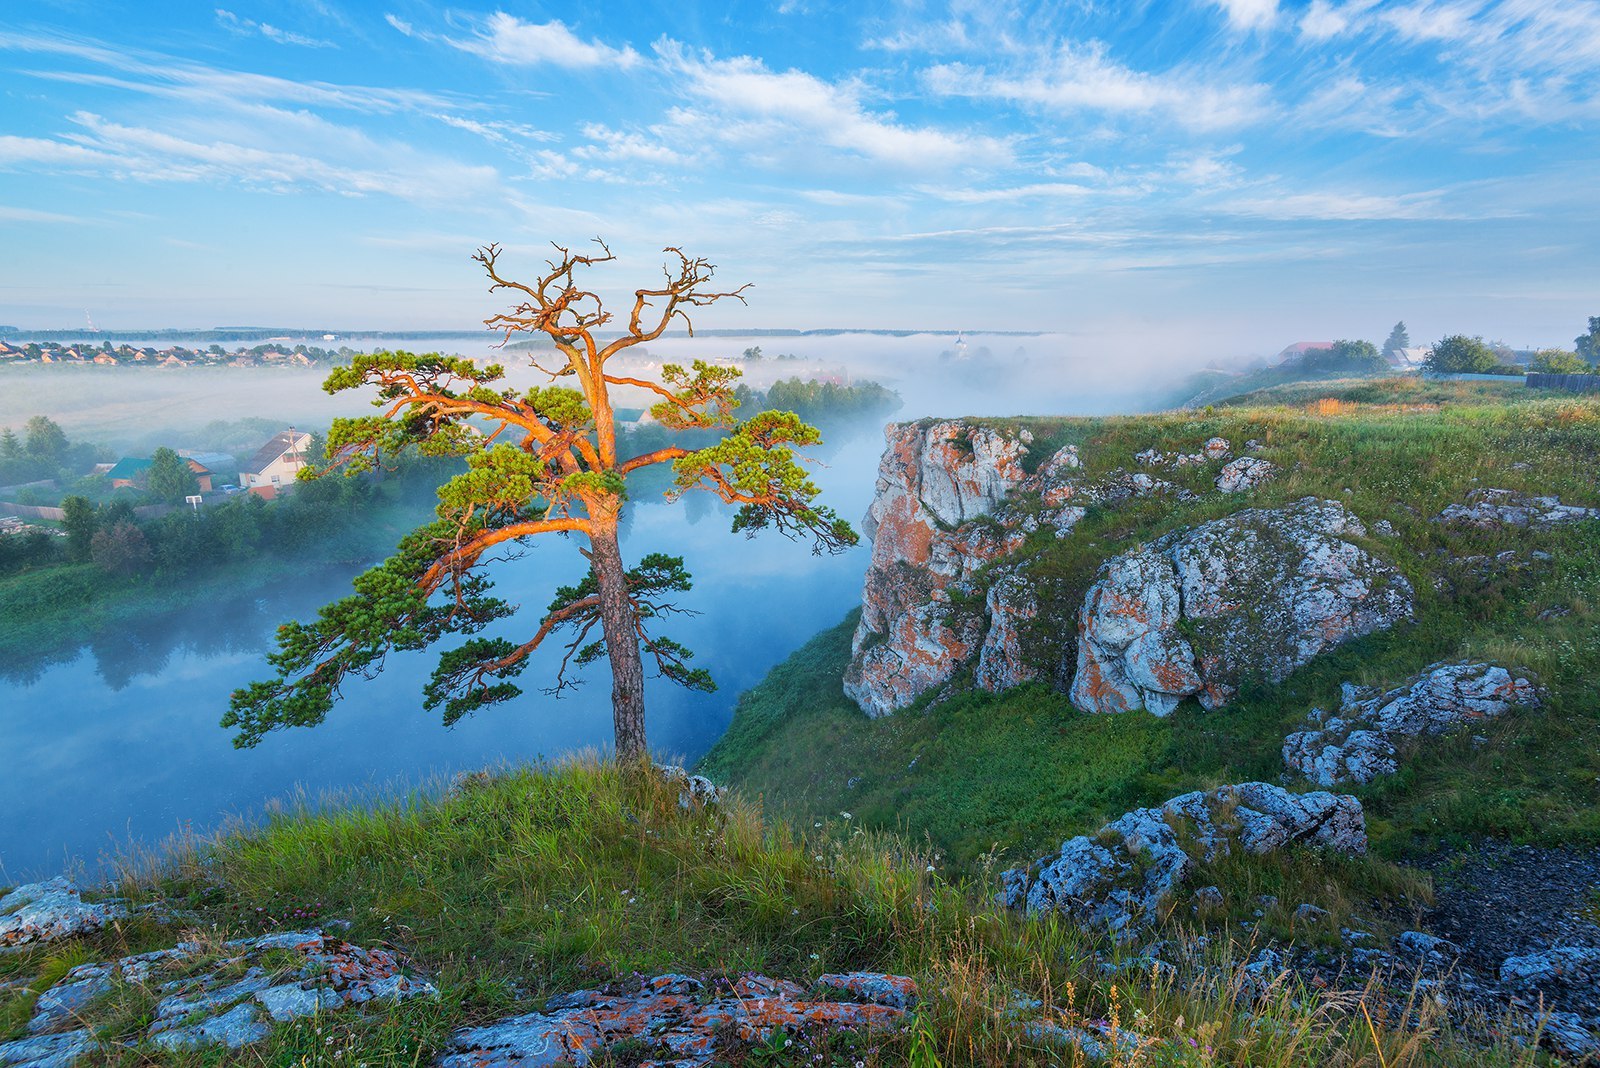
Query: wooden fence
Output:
(1572,383)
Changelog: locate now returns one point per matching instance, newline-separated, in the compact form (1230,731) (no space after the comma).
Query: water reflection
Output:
(119,738)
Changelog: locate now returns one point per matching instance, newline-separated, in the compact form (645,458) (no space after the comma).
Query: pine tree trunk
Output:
(619,623)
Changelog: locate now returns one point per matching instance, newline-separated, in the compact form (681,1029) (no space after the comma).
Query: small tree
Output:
(1588,345)
(539,461)
(1558,362)
(169,477)
(1345,357)
(78,519)
(47,442)
(1459,354)
(121,549)
(1398,339)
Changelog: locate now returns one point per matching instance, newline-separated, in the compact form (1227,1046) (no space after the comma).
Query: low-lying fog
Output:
(119,739)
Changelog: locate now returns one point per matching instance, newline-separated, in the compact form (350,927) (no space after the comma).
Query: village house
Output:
(1300,349)
(274,466)
(131,472)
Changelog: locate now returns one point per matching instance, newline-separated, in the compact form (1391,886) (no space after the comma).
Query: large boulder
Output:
(1118,880)
(1258,593)
(1364,740)
(931,529)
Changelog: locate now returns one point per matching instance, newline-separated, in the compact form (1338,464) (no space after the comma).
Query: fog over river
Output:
(122,742)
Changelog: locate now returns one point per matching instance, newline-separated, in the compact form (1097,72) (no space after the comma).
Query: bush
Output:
(1559,362)
(1459,354)
(121,549)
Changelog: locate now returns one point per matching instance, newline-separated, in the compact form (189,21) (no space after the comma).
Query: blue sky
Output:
(1209,175)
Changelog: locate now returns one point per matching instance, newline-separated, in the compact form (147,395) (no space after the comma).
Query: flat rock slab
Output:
(217,996)
(46,1051)
(681,1019)
(49,911)
(1488,509)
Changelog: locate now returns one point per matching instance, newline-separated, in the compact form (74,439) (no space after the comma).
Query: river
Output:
(121,744)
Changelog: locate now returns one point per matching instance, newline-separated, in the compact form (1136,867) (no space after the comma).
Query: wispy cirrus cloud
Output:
(243,27)
(512,41)
(1076,77)
(30,215)
(174,78)
(139,153)
(1246,15)
(787,110)
(1343,206)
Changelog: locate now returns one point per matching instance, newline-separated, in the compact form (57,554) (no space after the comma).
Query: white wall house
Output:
(275,464)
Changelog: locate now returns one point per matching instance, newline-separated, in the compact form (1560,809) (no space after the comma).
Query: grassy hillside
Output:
(515,888)
(972,773)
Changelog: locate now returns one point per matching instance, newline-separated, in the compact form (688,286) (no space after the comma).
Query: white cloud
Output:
(1246,15)
(1335,206)
(212,86)
(1084,78)
(29,215)
(24,150)
(244,27)
(1034,191)
(332,158)
(505,134)
(789,110)
(1430,21)
(1345,101)
(507,39)
(617,145)
(949,35)
(1323,20)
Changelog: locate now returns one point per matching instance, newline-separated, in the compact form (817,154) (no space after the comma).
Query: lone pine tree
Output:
(539,461)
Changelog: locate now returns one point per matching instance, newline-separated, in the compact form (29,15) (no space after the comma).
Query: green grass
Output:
(539,881)
(1022,770)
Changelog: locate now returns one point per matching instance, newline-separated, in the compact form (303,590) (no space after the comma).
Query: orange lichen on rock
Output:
(681,1020)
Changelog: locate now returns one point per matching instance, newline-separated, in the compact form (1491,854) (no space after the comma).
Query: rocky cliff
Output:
(1254,594)
(938,484)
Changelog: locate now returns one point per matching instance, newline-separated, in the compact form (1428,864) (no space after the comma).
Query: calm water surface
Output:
(122,742)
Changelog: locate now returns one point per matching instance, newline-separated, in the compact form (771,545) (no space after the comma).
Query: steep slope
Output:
(1022,768)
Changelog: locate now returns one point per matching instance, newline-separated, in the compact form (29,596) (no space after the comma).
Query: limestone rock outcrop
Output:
(1118,879)
(47,911)
(1245,474)
(681,1020)
(1364,740)
(1259,593)
(206,998)
(1011,605)
(938,484)
(1491,508)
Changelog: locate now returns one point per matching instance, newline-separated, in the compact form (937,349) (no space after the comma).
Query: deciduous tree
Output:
(169,478)
(121,549)
(1559,362)
(540,461)
(78,520)
(1588,345)
(1459,354)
